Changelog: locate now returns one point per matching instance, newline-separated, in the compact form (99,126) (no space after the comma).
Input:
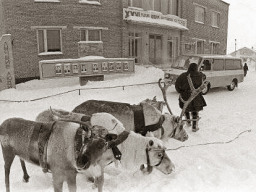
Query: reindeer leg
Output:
(71,180)
(8,159)
(23,166)
(58,179)
(100,180)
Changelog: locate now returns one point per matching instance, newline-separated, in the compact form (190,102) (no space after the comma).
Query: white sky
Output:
(242,25)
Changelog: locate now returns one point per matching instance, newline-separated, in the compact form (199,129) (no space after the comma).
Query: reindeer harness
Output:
(41,133)
(139,121)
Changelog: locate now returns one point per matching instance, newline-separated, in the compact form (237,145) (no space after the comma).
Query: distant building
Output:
(246,54)
(154,32)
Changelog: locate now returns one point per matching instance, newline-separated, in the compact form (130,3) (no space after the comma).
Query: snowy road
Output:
(207,167)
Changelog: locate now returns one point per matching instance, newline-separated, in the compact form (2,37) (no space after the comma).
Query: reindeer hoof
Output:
(26,179)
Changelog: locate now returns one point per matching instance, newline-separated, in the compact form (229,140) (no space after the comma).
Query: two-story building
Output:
(208,26)
(151,31)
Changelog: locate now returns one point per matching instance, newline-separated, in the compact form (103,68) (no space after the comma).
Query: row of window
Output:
(221,64)
(163,6)
(50,40)
(57,1)
(199,47)
(200,16)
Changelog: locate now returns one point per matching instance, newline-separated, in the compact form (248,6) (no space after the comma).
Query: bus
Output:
(220,70)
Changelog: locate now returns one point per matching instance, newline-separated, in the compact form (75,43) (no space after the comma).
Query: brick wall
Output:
(21,15)
(206,31)
(87,49)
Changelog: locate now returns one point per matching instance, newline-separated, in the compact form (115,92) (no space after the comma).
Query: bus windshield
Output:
(183,62)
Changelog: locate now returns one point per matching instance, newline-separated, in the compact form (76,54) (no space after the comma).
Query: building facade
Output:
(208,26)
(154,32)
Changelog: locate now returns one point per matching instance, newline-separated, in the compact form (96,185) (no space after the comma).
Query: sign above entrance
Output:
(153,15)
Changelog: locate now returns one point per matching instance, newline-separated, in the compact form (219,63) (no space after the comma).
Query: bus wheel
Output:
(206,89)
(232,85)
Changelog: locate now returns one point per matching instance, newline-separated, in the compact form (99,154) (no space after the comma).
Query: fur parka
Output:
(182,87)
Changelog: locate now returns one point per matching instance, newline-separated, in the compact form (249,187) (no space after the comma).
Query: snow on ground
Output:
(221,156)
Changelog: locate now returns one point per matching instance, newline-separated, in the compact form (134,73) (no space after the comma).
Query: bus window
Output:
(233,64)
(206,65)
(218,64)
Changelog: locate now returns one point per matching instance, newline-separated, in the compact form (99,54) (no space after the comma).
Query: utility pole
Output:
(235,46)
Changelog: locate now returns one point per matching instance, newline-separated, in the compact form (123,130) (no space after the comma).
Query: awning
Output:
(156,22)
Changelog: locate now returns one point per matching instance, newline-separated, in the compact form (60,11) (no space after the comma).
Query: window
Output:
(218,65)
(135,3)
(135,46)
(90,35)
(214,48)
(154,5)
(173,7)
(215,19)
(47,1)
(92,2)
(200,47)
(233,64)
(206,65)
(49,40)
(199,14)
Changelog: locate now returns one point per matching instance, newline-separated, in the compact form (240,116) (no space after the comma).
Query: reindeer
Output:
(149,154)
(62,147)
(144,118)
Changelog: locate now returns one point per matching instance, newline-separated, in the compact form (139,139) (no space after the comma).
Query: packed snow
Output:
(221,156)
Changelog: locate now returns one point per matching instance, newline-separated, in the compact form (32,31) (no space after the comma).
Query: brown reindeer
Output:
(141,118)
(62,147)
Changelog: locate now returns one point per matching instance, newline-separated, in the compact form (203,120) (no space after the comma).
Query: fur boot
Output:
(187,116)
(195,121)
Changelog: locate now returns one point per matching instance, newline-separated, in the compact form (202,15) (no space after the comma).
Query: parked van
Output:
(220,70)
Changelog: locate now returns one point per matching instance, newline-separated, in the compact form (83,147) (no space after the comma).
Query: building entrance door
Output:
(155,49)
(170,51)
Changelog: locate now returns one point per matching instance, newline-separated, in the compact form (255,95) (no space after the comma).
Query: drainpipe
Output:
(122,26)
(181,32)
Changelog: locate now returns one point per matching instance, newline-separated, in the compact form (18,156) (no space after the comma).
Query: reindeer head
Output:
(157,157)
(173,128)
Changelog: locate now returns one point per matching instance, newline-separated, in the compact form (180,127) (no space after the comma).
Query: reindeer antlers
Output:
(194,93)
(163,89)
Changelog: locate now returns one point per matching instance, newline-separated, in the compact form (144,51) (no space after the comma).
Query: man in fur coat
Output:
(183,88)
